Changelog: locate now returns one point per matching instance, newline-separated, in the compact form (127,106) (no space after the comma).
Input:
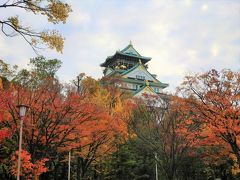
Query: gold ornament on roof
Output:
(147,83)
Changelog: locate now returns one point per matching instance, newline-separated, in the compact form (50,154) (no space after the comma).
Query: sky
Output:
(181,36)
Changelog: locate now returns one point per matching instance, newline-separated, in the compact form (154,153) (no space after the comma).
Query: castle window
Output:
(140,77)
(136,86)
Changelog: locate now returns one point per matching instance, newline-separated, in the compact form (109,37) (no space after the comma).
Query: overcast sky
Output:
(181,36)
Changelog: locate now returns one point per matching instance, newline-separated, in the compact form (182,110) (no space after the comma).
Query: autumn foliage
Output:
(212,99)
(200,122)
(28,169)
(5,131)
(92,121)
(89,125)
(164,127)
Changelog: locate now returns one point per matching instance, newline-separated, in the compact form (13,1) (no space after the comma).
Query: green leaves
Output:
(6,70)
(40,70)
(45,68)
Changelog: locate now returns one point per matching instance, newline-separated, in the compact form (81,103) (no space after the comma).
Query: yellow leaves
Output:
(1,83)
(235,169)
(34,41)
(14,21)
(119,108)
(55,10)
(58,12)
(101,98)
(89,86)
(53,39)
(229,75)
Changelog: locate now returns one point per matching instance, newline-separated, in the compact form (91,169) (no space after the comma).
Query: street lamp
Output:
(22,112)
(156,167)
(69,165)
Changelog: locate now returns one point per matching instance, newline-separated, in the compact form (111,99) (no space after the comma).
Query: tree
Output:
(163,127)
(5,132)
(90,123)
(43,131)
(29,170)
(40,70)
(99,137)
(55,10)
(132,160)
(6,70)
(51,123)
(77,82)
(44,68)
(213,98)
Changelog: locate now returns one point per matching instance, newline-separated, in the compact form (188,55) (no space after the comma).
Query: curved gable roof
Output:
(145,70)
(145,89)
(129,51)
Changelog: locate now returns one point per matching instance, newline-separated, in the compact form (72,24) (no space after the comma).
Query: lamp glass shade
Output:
(22,110)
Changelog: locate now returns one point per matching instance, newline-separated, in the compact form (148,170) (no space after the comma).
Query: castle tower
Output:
(131,70)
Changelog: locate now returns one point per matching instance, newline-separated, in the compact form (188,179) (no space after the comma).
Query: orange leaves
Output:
(104,122)
(213,100)
(28,169)
(89,124)
(39,167)
(4,133)
(6,128)
(26,165)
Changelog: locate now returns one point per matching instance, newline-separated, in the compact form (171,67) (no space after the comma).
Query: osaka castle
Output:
(131,70)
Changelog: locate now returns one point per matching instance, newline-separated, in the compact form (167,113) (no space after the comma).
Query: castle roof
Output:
(128,51)
(137,67)
(145,89)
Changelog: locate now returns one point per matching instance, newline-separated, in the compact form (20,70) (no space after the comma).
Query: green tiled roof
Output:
(116,71)
(137,65)
(124,72)
(159,84)
(134,55)
(139,90)
(129,51)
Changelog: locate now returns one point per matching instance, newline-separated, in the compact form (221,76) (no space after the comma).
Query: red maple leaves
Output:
(29,169)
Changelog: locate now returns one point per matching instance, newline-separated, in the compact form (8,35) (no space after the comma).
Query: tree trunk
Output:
(236,151)
(95,175)
(79,168)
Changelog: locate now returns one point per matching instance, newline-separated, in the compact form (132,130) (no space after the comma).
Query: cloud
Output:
(180,36)
(204,7)
(215,50)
